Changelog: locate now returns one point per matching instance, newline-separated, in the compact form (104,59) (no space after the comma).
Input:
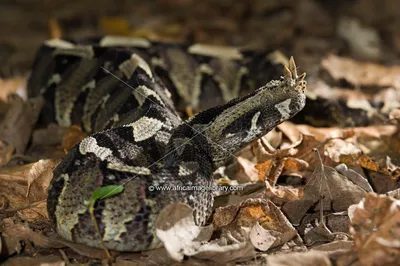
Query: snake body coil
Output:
(124,92)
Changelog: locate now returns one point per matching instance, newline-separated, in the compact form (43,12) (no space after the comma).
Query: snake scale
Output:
(128,94)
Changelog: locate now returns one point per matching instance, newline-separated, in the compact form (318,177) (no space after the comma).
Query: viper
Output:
(128,94)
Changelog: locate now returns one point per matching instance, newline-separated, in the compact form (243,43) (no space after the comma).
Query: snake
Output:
(129,95)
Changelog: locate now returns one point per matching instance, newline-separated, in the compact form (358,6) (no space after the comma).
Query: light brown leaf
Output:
(6,151)
(73,135)
(376,230)
(25,189)
(360,73)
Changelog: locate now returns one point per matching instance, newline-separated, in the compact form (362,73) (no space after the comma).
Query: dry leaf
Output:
(21,231)
(280,195)
(175,227)
(335,189)
(16,128)
(245,219)
(73,135)
(6,151)
(25,189)
(376,230)
(263,239)
(246,172)
(354,177)
(362,74)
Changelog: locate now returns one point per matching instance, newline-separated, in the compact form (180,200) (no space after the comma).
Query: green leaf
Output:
(106,192)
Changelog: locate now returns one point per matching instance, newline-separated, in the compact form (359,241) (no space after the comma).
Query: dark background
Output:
(307,29)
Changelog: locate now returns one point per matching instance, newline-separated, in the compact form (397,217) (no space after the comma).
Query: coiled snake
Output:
(124,91)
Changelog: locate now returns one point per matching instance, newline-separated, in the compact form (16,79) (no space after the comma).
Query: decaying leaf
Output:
(337,191)
(355,177)
(376,230)
(362,74)
(6,151)
(280,195)
(266,226)
(25,189)
(263,239)
(16,128)
(12,229)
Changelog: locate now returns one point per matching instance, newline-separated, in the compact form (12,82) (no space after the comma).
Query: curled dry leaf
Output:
(360,73)
(280,195)
(257,220)
(25,189)
(376,230)
(380,147)
(337,191)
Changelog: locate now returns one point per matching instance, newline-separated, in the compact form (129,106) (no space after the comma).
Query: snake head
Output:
(288,93)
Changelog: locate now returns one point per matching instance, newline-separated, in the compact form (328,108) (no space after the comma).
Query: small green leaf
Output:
(106,192)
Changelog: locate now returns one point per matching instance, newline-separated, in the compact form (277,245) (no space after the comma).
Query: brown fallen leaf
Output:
(25,189)
(376,230)
(280,195)
(354,177)
(256,220)
(360,73)
(6,151)
(21,231)
(16,128)
(337,191)
(73,135)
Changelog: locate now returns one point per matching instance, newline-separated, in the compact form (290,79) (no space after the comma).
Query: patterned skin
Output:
(141,141)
